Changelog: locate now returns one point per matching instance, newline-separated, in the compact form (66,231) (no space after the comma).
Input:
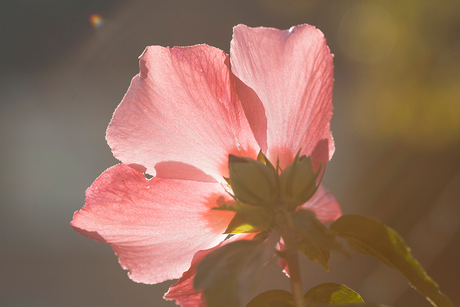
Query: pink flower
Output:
(182,116)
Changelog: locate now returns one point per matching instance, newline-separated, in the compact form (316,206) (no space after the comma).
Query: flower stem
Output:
(291,255)
(295,278)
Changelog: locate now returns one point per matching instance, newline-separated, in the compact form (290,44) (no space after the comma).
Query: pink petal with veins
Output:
(324,205)
(291,72)
(183,292)
(182,107)
(154,226)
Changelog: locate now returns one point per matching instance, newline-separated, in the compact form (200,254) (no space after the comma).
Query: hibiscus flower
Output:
(187,110)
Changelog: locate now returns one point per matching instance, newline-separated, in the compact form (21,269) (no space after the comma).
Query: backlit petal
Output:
(154,226)
(291,72)
(282,261)
(183,291)
(325,206)
(182,107)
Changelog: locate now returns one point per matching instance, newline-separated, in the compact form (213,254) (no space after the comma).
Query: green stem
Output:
(291,255)
(296,280)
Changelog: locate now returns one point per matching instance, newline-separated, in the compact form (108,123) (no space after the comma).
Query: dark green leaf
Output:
(316,239)
(230,274)
(313,252)
(261,236)
(353,305)
(272,298)
(369,236)
(333,294)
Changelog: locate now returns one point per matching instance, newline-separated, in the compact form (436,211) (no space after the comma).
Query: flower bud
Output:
(298,182)
(252,182)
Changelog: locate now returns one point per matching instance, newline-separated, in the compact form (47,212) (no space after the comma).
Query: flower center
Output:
(261,190)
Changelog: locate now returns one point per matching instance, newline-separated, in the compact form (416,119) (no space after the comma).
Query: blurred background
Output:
(65,65)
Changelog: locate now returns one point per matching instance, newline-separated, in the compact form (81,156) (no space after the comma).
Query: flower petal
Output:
(154,226)
(282,261)
(324,205)
(292,74)
(182,107)
(183,292)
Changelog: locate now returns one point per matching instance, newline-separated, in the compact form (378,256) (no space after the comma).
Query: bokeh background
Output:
(63,70)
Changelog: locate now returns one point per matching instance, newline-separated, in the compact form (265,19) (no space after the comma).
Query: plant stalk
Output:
(295,278)
(291,255)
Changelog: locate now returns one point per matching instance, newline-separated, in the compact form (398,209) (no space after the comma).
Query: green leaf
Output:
(240,223)
(313,252)
(353,305)
(272,298)
(317,239)
(331,293)
(249,218)
(369,236)
(230,274)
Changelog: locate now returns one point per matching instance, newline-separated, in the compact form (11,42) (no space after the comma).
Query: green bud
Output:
(298,182)
(252,182)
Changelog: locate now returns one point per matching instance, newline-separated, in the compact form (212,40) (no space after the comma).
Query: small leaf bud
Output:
(298,182)
(252,182)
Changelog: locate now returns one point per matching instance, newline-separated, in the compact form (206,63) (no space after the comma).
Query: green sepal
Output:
(316,239)
(333,294)
(228,275)
(262,158)
(262,236)
(248,218)
(252,181)
(239,224)
(369,236)
(272,298)
(298,182)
